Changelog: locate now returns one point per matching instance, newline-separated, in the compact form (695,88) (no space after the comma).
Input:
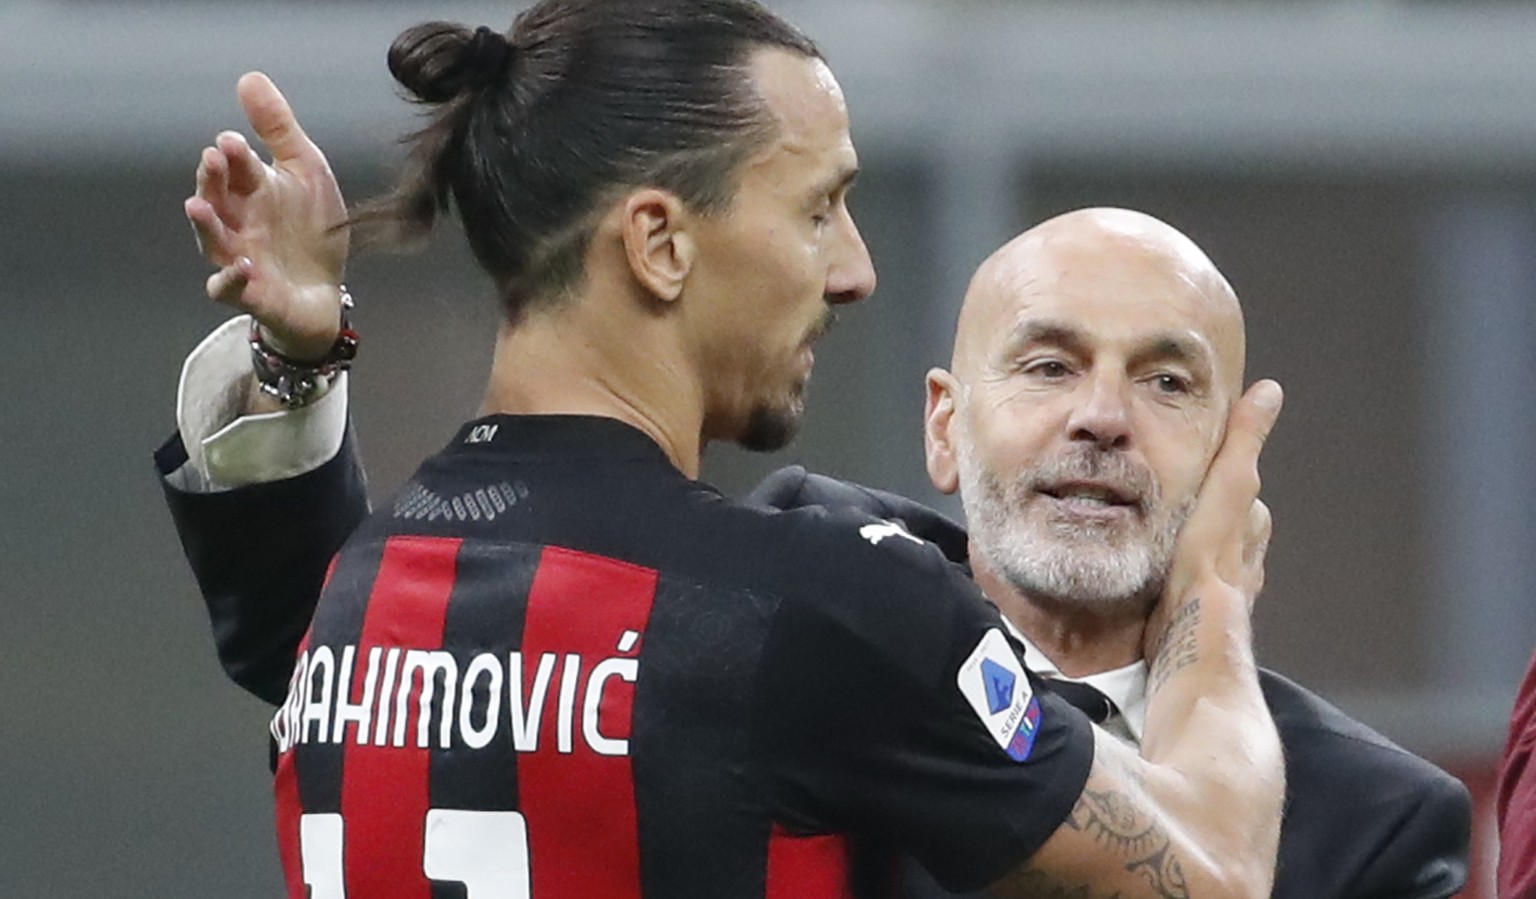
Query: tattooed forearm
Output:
(1118,823)
(1040,885)
(1177,649)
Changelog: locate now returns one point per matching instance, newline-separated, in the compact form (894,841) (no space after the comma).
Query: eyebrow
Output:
(839,180)
(1173,348)
(1167,347)
(1050,332)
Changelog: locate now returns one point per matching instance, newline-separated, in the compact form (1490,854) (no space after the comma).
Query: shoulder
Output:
(1360,802)
(794,487)
(1310,725)
(843,579)
(841,555)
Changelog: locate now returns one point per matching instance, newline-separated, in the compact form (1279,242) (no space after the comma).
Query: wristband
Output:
(296,384)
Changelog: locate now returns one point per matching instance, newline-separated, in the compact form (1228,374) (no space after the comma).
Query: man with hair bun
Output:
(557,665)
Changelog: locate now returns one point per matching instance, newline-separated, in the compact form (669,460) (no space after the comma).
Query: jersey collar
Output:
(561,436)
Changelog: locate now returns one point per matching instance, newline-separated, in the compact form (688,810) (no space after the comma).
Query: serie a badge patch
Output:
(993,682)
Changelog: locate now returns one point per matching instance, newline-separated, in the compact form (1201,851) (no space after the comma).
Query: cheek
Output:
(1179,462)
(1026,422)
(798,258)
(786,281)
(1009,437)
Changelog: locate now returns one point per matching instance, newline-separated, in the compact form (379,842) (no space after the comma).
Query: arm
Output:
(259,554)
(259,551)
(1424,851)
(1516,803)
(1198,812)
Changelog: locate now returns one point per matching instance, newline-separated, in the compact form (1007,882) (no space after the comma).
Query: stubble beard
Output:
(1084,565)
(773,424)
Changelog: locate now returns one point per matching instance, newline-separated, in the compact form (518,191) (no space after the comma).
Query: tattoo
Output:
(1178,648)
(1116,822)
(1039,885)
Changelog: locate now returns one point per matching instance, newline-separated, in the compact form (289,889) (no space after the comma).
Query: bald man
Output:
(1095,361)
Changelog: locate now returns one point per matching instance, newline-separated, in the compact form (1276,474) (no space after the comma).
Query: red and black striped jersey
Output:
(557,668)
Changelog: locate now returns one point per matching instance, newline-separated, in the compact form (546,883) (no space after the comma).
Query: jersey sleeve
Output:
(892,703)
(226,449)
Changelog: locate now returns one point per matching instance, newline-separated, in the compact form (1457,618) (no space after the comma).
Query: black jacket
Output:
(1364,818)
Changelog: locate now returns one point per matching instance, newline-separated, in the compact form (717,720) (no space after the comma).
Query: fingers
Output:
(214,210)
(227,285)
(274,122)
(1252,419)
(1260,527)
(1232,484)
(246,170)
(1215,538)
(213,184)
(217,242)
(212,174)
(1255,550)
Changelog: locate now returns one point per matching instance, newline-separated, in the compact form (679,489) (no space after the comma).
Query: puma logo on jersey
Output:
(874,533)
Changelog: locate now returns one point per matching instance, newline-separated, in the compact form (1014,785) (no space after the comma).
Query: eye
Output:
(1171,384)
(823,213)
(1049,369)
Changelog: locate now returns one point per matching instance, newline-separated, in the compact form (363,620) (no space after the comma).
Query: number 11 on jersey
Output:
(485,851)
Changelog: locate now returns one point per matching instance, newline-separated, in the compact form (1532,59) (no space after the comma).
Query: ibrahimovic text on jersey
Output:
(557,668)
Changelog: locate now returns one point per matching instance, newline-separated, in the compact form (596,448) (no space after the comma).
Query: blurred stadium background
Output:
(1363,170)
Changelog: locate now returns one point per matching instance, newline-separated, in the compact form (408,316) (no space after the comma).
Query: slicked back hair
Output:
(532,133)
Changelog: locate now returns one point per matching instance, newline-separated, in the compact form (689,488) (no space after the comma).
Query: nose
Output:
(1103,417)
(851,276)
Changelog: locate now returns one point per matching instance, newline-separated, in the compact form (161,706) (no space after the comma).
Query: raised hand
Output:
(272,229)
(1227,535)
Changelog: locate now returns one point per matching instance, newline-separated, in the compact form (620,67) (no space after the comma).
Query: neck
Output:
(1080,639)
(601,355)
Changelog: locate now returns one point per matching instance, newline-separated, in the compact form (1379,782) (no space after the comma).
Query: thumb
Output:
(1232,483)
(273,120)
(1253,418)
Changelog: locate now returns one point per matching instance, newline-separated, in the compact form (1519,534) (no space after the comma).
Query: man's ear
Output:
(938,430)
(657,242)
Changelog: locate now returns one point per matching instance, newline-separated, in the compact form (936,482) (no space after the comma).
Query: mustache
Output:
(1088,463)
(821,327)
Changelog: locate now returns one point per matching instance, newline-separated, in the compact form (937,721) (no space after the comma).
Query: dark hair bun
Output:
(439,61)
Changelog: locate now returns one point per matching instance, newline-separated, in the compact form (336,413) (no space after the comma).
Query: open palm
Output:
(272,229)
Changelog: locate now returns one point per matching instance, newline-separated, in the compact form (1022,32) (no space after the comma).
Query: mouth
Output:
(1092,498)
(807,357)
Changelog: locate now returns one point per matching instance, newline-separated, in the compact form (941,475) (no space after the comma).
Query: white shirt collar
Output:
(1126,687)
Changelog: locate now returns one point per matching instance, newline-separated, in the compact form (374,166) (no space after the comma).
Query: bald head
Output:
(1096,359)
(1108,267)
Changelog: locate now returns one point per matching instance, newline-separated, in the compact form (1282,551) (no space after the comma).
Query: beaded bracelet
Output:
(296,384)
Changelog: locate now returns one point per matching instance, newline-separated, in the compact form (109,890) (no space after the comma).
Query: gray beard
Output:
(1090,567)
